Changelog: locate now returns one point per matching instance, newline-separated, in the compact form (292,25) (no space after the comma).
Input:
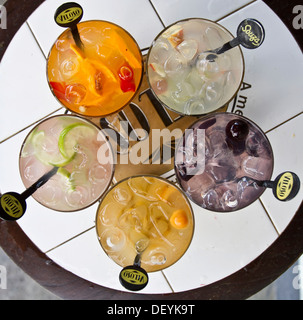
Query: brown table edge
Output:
(242,284)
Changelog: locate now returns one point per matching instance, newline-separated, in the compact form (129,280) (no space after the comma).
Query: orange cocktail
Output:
(100,79)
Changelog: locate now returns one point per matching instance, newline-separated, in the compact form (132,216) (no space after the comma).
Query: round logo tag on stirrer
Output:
(286,186)
(133,278)
(251,33)
(69,14)
(12,206)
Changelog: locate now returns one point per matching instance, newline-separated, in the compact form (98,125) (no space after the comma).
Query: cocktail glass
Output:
(181,77)
(83,155)
(218,158)
(101,79)
(149,212)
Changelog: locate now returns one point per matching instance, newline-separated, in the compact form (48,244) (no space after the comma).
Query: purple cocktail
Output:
(220,158)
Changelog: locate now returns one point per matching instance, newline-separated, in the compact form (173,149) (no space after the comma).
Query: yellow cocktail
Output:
(149,214)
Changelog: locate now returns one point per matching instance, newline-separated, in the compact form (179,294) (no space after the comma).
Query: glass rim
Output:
(186,198)
(105,140)
(240,117)
(131,98)
(196,114)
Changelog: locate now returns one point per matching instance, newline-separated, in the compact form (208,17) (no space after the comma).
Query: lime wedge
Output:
(47,158)
(59,162)
(70,136)
(69,182)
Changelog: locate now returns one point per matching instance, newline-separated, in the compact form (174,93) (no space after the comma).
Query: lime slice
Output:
(69,182)
(69,137)
(47,158)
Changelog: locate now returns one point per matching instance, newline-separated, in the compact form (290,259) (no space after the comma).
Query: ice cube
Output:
(133,218)
(33,170)
(211,200)
(195,80)
(75,93)
(257,168)
(207,69)
(188,49)
(217,144)
(214,92)
(106,215)
(160,86)
(214,38)
(224,62)
(184,91)
(194,30)
(160,221)
(113,239)
(197,185)
(49,194)
(221,171)
(156,254)
(63,44)
(223,166)
(160,52)
(69,67)
(257,146)
(229,199)
(194,106)
(122,196)
(78,197)
(174,64)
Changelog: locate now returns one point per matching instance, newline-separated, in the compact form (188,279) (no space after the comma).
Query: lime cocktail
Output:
(100,79)
(80,151)
(145,212)
(181,76)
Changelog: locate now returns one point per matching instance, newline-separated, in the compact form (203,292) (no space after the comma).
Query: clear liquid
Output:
(78,183)
(181,76)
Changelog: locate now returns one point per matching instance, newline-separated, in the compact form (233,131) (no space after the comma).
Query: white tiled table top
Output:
(271,96)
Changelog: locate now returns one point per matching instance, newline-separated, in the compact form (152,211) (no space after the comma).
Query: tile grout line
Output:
(236,10)
(301,276)
(269,217)
(33,34)
(16,133)
(68,240)
(284,122)
(158,15)
(171,288)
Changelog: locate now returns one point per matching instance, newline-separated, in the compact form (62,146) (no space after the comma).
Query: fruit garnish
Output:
(69,182)
(166,192)
(236,134)
(77,51)
(47,157)
(69,137)
(58,89)
(126,76)
(174,35)
(159,69)
(237,130)
(179,219)
(126,73)
(117,38)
